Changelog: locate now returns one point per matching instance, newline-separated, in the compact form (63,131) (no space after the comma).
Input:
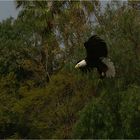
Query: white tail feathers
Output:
(111,68)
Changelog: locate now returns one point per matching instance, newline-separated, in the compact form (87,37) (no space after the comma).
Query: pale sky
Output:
(7,9)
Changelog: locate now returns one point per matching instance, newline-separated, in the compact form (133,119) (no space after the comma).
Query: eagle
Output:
(97,57)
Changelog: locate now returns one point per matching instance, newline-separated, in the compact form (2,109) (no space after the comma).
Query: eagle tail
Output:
(111,68)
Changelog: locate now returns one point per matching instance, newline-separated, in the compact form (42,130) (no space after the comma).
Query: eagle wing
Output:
(95,48)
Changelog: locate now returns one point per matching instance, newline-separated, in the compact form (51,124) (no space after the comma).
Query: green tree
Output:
(113,115)
(104,120)
(20,57)
(41,14)
(46,40)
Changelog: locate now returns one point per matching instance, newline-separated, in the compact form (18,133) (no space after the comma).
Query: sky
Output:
(7,9)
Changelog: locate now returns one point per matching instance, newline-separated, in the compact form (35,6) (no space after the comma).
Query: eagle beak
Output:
(81,64)
(77,66)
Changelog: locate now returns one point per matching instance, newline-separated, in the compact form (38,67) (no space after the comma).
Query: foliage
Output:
(43,113)
(102,119)
(113,115)
(17,59)
(43,96)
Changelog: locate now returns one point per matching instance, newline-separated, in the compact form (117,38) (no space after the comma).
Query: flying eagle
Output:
(97,57)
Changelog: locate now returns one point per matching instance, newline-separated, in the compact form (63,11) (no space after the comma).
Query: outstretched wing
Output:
(95,48)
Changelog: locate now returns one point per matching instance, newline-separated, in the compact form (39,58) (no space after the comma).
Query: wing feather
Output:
(96,48)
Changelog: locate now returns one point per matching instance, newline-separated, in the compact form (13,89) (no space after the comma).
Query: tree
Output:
(42,21)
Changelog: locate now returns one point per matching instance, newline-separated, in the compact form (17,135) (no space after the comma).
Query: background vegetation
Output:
(43,96)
